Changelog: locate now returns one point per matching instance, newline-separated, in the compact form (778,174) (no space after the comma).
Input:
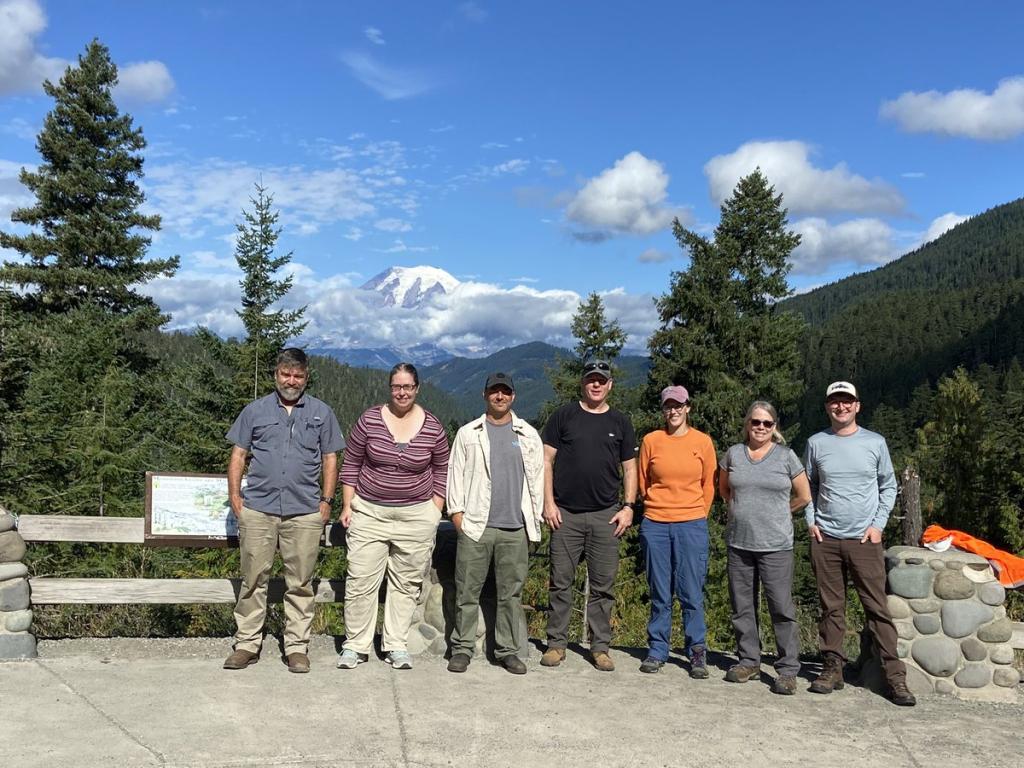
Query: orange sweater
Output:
(677,476)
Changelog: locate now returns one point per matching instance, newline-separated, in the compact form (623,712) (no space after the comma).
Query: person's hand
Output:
(345,518)
(235,506)
(815,532)
(873,535)
(553,516)
(325,512)
(622,520)
(457,521)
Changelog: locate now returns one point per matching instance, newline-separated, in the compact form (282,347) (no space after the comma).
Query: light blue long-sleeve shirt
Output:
(853,485)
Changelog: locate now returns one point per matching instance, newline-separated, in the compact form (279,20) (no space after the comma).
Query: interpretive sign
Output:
(188,509)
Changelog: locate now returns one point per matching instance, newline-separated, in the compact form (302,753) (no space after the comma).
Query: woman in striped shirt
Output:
(393,488)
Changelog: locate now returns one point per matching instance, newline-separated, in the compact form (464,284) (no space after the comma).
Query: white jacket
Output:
(469,477)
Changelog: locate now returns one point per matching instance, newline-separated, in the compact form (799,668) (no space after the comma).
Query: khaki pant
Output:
(260,535)
(393,540)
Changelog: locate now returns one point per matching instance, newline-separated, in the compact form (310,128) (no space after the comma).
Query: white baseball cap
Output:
(841,388)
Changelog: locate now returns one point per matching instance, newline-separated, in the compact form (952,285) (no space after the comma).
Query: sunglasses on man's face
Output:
(766,423)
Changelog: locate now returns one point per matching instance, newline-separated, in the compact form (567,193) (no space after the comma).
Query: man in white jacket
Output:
(495,501)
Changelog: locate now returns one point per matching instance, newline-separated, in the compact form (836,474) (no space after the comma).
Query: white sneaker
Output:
(349,659)
(399,659)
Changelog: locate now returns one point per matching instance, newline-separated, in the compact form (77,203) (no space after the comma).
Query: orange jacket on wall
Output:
(1009,568)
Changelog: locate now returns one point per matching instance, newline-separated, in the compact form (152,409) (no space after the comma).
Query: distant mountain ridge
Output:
(384,357)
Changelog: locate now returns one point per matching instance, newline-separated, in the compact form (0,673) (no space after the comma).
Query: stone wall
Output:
(16,642)
(954,635)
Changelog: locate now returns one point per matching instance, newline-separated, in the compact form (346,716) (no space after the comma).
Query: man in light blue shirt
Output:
(853,489)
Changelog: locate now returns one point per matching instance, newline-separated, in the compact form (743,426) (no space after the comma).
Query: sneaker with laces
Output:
(349,659)
(651,665)
(741,673)
(399,659)
(698,663)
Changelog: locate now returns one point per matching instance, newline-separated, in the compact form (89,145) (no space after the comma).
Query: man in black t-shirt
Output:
(593,444)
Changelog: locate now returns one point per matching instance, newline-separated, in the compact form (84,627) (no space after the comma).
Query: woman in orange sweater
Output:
(677,483)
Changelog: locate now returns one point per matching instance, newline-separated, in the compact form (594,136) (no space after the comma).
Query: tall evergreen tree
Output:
(722,334)
(267,329)
(88,244)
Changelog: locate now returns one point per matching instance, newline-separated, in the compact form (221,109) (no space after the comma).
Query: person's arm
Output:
(886,478)
(455,492)
(347,492)
(439,466)
(643,466)
(328,485)
(801,495)
(236,466)
(811,466)
(707,481)
(552,514)
(624,517)
(724,490)
(351,466)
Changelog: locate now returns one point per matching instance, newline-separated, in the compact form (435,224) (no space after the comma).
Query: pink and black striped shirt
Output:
(384,472)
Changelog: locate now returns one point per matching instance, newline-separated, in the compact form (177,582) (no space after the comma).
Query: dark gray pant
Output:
(511,555)
(774,572)
(584,535)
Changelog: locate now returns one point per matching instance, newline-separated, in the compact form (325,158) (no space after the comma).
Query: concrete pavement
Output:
(168,703)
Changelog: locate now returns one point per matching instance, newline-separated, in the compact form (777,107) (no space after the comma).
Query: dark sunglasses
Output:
(591,367)
(766,423)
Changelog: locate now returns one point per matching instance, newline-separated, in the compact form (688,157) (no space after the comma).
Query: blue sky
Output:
(535,151)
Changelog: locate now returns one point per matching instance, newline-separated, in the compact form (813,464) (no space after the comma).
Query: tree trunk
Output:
(910,505)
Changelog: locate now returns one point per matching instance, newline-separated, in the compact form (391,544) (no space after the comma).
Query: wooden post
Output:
(910,505)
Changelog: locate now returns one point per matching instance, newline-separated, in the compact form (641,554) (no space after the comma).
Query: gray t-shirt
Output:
(760,519)
(507,475)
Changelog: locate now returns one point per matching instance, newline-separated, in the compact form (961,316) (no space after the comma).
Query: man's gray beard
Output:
(289,393)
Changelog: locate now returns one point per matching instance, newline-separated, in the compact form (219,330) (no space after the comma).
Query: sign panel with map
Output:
(189,509)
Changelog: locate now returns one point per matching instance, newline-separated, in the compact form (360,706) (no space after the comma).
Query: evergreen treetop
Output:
(87,245)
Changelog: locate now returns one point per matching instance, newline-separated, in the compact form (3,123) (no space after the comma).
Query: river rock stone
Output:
(18,645)
(936,655)
(433,610)
(12,547)
(992,593)
(6,522)
(961,618)
(974,675)
(1001,654)
(12,571)
(945,687)
(927,623)
(911,581)
(914,560)
(903,648)
(926,605)
(973,649)
(918,682)
(898,607)
(955,564)
(953,585)
(20,621)
(999,631)
(905,630)
(1007,677)
(936,565)
(14,595)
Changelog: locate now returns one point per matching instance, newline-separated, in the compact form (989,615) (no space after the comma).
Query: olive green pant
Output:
(510,553)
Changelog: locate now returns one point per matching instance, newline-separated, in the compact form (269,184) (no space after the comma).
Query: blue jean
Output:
(676,558)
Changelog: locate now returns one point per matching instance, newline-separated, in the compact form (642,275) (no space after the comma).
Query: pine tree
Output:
(87,245)
(596,338)
(266,329)
(722,334)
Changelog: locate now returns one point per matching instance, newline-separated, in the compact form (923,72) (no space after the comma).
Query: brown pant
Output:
(832,559)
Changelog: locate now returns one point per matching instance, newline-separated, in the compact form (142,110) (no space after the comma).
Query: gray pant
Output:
(773,571)
(510,553)
(584,535)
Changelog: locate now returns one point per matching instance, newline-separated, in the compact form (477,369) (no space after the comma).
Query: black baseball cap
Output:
(601,367)
(499,379)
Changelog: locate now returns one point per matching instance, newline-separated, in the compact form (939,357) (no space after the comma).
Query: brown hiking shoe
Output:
(298,662)
(603,661)
(241,659)
(784,685)
(900,695)
(831,677)
(741,673)
(552,657)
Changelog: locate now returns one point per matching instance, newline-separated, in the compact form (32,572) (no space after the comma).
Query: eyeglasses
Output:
(668,408)
(597,366)
(403,387)
(837,403)
(766,423)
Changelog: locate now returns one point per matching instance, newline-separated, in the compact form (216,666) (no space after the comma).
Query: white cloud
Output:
(627,198)
(22,67)
(941,225)
(392,225)
(391,83)
(355,234)
(860,242)
(653,256)
(443,128)
(400,246)
(473,12)
(12,193)
(805,188)
(913,174)
(210,260)
(493,145)
(963,112)
(19,128)
(516,165)
(144,82)
(374,35)
(524,279)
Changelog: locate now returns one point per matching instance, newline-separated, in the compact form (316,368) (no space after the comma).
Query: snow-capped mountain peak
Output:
(411,287)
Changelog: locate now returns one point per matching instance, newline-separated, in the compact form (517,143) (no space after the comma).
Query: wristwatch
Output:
(325,500)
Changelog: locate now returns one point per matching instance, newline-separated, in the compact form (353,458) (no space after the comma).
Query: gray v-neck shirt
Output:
(760,519)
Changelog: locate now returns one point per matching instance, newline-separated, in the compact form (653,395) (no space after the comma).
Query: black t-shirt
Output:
(591,448)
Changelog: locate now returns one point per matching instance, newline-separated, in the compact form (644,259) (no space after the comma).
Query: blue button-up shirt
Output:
(287,453)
